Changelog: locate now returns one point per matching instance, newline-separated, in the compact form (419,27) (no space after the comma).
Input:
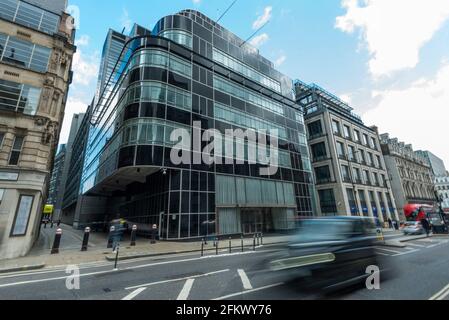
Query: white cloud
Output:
(259,40)
(196,1)
(125,20)
(393,31)
(280,61)
(346,98)
(72,106)
(264,18)
(418,114)
(85,68)
(83,40)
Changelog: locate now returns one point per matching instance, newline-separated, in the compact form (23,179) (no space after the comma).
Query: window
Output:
(230,88)
(345,174)
(347,132)
(2,138)
(29,16)
(16,150)
(356,136)
(383,181)
(373,143)
(370,159)
(365,139)
(158,58)
(379,162)
(22,217)
(315,129)
(327,201)
(362,156)
(340,150)
(323,174)
(366,177)
(245,70)
(352,201)
(19,97)
(319,151)
(336,127)
(356,173)
(180,37)
(352,153)
(376,179)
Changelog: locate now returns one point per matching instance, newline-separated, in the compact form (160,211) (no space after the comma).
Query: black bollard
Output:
(261,238)
(258,237)
(242,242)
(254,242)
(230,245)
(57,242)
(133,236)
(216,246)
(85,239)
(116,256)
(51,226)
(111,230)
(202,247)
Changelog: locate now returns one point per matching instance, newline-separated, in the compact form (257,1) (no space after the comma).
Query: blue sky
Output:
(388,59)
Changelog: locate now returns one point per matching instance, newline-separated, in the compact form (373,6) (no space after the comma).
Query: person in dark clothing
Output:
(425,224)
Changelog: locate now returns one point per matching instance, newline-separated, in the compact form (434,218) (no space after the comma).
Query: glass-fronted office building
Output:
(192,70)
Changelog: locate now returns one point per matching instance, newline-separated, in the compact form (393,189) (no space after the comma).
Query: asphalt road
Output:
(422,274)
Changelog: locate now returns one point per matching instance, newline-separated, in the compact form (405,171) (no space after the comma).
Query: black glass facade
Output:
(193,70)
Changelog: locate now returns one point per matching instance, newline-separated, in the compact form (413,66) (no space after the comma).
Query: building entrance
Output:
(257,220)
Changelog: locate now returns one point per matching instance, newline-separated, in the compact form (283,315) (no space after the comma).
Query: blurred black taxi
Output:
(332,253)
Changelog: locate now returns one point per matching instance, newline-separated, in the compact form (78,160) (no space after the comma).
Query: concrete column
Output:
(368,202)
(384,196)
(379,210)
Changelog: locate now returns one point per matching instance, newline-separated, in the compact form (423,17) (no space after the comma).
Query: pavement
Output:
(422,275)
(70,249)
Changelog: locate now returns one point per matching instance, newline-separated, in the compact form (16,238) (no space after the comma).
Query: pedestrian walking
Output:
(425,224)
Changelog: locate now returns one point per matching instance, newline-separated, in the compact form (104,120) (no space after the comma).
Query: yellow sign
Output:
(48,209)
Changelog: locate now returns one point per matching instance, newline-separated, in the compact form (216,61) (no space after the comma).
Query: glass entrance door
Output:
(252,220)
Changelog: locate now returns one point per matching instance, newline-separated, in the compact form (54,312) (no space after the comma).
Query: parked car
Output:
(413,228)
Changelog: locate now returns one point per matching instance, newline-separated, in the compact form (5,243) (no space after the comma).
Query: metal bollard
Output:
(242,241)
(258,238)
(254,242)
(57,242)
(216,246)
(116,256)
(111,230)
(202,247)
(133,236)
(52,224)
(230,244)
(261,238)
(85,239)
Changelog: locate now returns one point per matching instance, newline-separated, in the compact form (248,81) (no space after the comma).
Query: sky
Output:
(388,59)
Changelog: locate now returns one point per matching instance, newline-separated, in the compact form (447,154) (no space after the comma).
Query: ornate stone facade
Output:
(24,183)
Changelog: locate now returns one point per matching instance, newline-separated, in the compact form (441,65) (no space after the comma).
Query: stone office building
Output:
(411,174)
(36,50)
(193,70)
(348,165)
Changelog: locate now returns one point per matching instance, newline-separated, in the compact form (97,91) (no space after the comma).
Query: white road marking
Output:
(416,245)
(248,291)
(52,279)
(184,294)
(404,253)
(383,254)
(440,295)
(246,283)
(388,250)
(176,280)
(134,294)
